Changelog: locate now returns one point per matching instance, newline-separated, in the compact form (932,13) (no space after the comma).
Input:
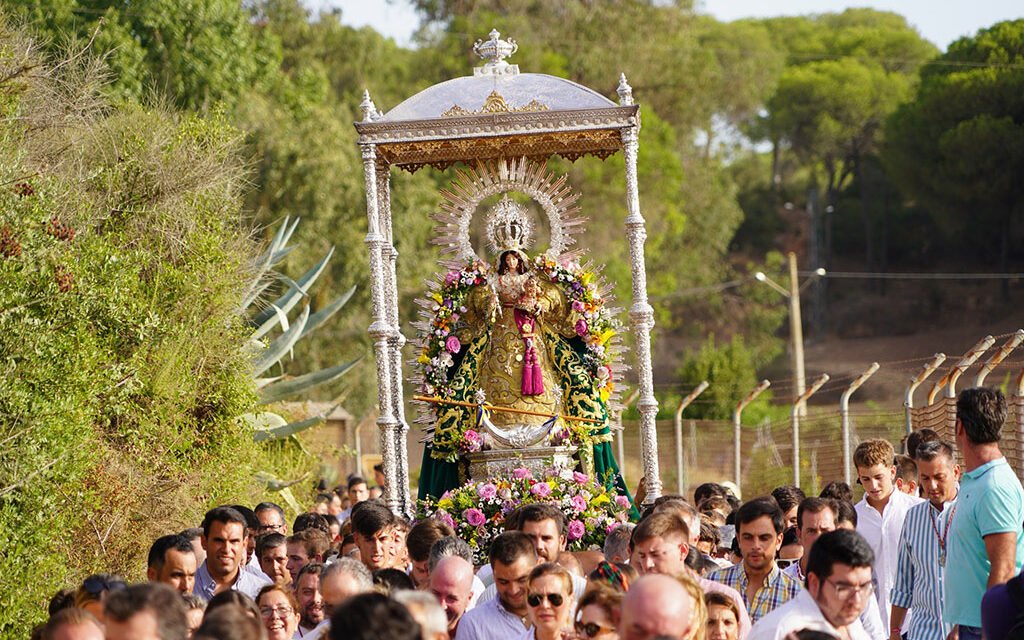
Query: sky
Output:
(940,21)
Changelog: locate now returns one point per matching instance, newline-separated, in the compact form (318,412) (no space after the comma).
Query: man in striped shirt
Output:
(759,527)
(922,549)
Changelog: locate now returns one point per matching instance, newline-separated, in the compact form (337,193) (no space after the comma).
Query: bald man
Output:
(451,582)
(73,624)
(655,606)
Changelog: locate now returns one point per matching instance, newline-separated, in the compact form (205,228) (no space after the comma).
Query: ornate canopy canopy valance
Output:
(498,112)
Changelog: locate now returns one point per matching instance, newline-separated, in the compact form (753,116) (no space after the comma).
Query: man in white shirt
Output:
(512,557)
(880,514)
(839,585)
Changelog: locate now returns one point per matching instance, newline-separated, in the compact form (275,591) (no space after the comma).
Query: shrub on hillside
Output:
(122,264)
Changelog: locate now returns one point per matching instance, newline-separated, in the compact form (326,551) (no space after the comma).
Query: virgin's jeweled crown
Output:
(509,226)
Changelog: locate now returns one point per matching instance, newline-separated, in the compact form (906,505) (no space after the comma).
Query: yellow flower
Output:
(599,499)
(445,503)
(605,336)
(424,358)
(436,297)
(586,277)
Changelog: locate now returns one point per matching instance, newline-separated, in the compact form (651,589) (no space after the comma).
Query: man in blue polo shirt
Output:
(985,546)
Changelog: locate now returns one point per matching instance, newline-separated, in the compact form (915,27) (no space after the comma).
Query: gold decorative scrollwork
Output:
(496,103)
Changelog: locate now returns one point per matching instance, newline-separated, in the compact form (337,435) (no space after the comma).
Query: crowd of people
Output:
(931,551)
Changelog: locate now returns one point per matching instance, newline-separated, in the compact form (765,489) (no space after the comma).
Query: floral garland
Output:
(590,317)
(477,510)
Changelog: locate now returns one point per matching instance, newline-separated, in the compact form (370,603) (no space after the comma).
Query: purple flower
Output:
(452,344)
(541,490)
(487,491)
(576,530)
(451,277)
(579,505)
(446,518)
(580,478)
(521,472)
(622,501)
(474,517)
(577,306)
(581,327)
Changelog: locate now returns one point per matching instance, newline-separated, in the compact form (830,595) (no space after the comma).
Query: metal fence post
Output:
(678,423)
(998,357)
(794,415)
(736,427)
(969,358)
(844,413)
(915,382)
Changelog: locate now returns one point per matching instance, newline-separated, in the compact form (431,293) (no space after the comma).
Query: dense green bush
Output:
(123,257)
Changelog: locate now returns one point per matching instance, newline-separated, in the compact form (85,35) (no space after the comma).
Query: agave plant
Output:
(274,336)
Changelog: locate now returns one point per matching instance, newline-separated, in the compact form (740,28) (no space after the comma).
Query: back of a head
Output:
(370,518)
(315,542)
(841,546)
(837,490)
(393,581)
(163,602)
(707,490)
(616,543)
(906,468)
(232,598)
(251,521)
(372,616)
(427,612)
(68,618)
(846,513)
(982,412)
(230,622)
(915,438)
(305,521)
(788,496)
(424,535)
(662,596)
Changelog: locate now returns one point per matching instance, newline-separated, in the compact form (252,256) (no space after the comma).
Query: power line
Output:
(855,275)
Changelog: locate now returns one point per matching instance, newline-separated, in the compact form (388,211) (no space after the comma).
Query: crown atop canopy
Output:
(509,226)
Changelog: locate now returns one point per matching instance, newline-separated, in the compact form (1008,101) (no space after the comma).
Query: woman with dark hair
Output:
(373,616)
(93,592)
(723,617)
(599,611)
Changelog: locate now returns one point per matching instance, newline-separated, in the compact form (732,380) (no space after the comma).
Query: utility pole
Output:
(796,331)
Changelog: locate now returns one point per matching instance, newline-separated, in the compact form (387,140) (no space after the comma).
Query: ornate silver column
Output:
(396,341)
(380,329)
(641,314)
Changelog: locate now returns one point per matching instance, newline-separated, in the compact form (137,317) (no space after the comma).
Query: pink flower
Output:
(521,472)
(452,344)
(446,518)
(576,530)
(474,517)
(581,327)
(541,490)
(580,478)
(471,435)
(622,501)
(577,306)
(612,527)
(487,491)
(579,505)
(451,278)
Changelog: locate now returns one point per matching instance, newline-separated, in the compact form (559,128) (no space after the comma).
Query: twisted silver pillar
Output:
(641,317)
(396,341)
(380,329)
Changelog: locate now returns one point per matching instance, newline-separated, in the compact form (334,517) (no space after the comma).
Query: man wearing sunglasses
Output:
(504,616)
(839,585)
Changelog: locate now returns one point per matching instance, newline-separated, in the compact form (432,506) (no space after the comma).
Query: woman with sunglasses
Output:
(549,602)
(93,592)
(279,611)
(598,615)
